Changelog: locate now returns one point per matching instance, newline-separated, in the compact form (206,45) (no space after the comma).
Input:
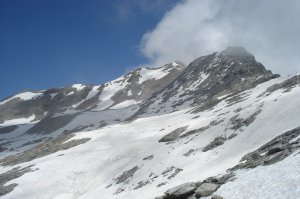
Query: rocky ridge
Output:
(207,79)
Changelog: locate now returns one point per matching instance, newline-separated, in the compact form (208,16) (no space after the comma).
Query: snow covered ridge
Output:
(125,91)
(220,127)
(22,96)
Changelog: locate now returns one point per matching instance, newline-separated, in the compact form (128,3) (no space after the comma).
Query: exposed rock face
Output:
(173,135)
(181,191)
(215,143)
(197,190)
(126,175)
(206,189)
(208,85)
(272,152)
(286,85)
(143,89)
(50,101)
(58,100)
(210,77)
(60,110)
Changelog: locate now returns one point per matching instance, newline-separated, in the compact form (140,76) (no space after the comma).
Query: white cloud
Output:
(269,29)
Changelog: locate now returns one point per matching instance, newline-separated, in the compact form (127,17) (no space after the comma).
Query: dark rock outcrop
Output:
(206,189)
(215,143)
(181,191)
(273,151)
(126,175)
(175,134)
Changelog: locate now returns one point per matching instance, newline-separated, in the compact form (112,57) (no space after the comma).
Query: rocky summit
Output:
(222,126)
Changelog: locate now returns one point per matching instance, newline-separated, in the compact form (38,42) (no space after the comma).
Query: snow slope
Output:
(94,169)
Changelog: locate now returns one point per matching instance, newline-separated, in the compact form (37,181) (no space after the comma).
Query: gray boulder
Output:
(206,189)
(181,192)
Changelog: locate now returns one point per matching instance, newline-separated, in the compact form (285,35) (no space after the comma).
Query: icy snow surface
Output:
(18,121)
(78,87)
(23,96)
(88,170)
(152,73)
(277,181)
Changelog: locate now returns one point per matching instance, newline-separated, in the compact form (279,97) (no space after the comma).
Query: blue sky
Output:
(53,43)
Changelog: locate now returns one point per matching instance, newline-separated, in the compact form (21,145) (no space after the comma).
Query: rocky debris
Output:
(43,149)
(206,189)
(126,175)
(181,191)
(237,123)
(190,152)
(143,90)
(10,175)
(274,151)
(150,157)
(232,136)
(176,171)
(195,190)
(141,184)
(238,110)
(201,129)
(215,143)
(120,190)
(171,172)
(7,129)
(195,131)
(161,184)
(234,99)
(206,105)
(175,134)
(287,85)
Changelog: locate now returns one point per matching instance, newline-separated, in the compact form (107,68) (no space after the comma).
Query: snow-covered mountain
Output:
(223,125)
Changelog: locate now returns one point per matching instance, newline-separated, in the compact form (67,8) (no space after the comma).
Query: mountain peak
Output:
(237,51)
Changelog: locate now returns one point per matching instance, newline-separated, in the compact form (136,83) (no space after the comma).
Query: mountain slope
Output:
(241,110)
(33,117)
(209,78)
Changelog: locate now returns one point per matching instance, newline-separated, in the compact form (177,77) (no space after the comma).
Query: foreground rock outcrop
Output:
(272,152)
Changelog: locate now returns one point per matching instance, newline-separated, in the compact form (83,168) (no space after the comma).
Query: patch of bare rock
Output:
(197,190)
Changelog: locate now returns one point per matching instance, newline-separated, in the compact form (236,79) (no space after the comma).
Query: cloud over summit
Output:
(269,29)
